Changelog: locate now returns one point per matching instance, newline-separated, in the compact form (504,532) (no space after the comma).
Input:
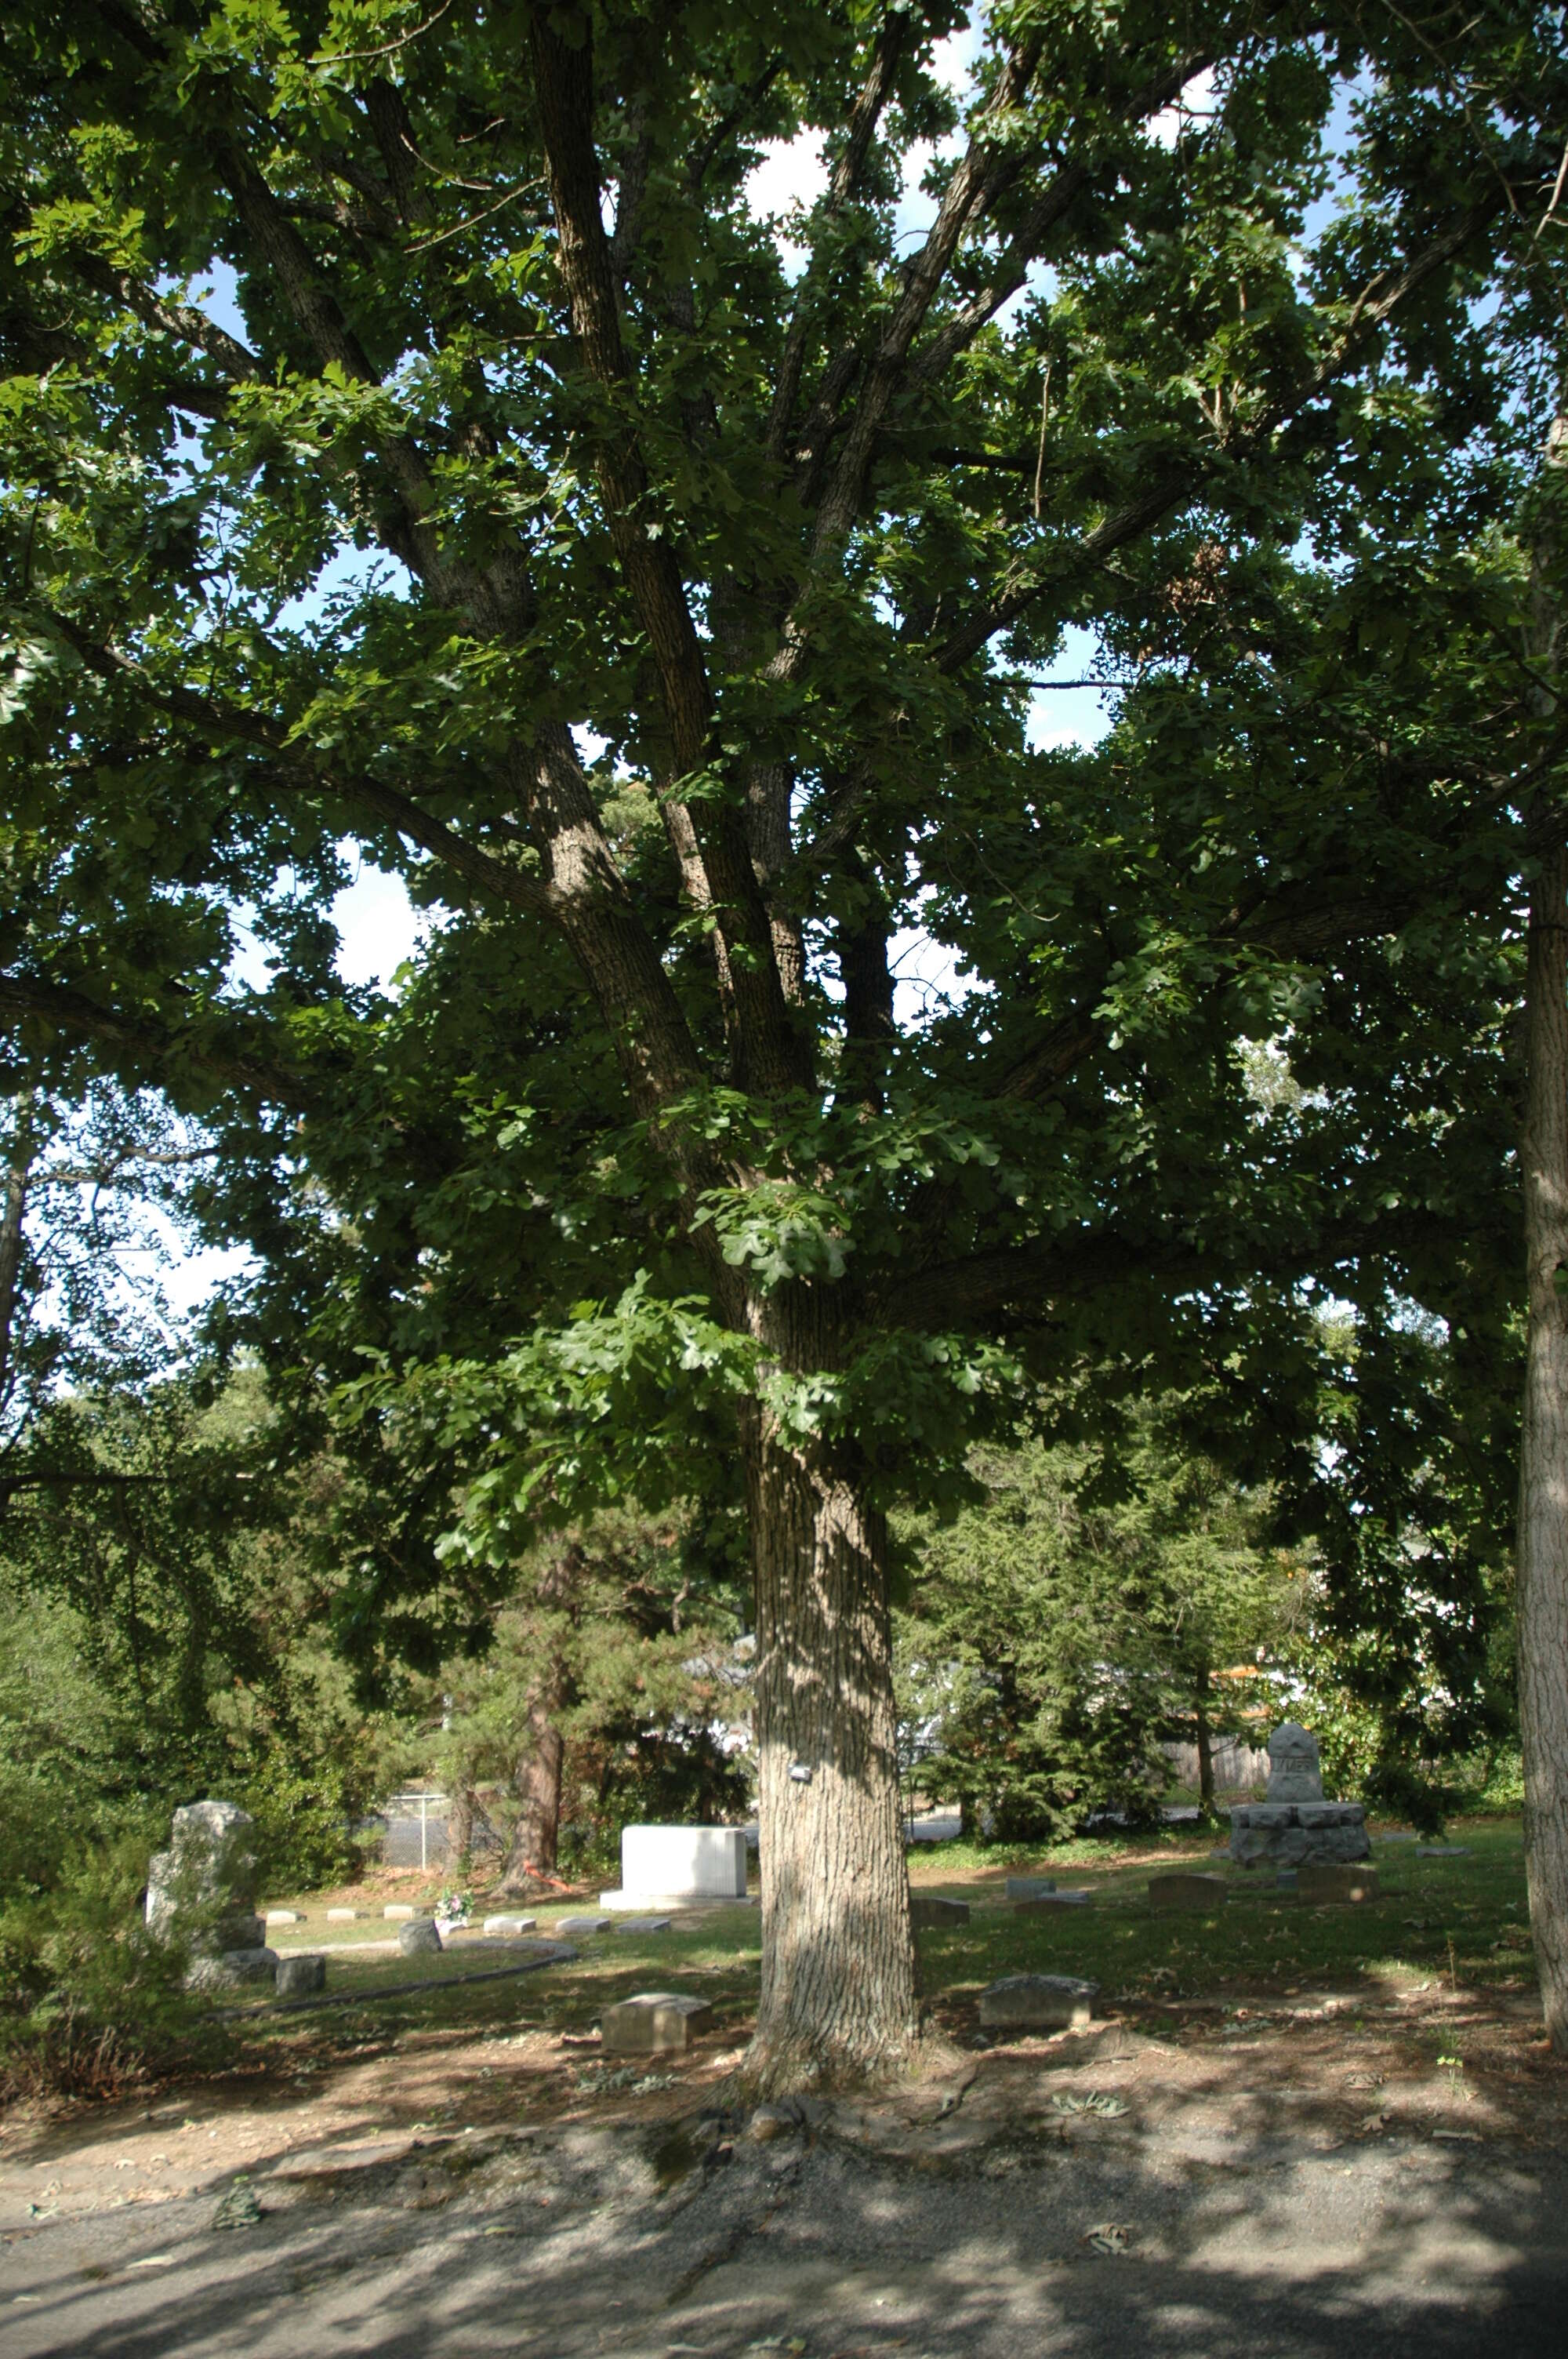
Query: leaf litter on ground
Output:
(1106,2236)
(600,2080)
(1094,2100)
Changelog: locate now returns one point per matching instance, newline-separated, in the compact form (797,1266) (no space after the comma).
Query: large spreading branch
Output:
(154,1045)
(587,894)
(582,893)
(987,167)
(1027,244)
(1179,480)
(848,174)
(768,1045)
(294,766)
(497,597)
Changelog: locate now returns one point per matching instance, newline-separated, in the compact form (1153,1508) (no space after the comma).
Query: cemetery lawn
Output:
(1440,1929)
(1438,1969)
(1260,2085)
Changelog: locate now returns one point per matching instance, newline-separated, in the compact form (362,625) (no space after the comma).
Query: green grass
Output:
(314,1934)
(717,1954)
(1462,1917)
(1434,1918)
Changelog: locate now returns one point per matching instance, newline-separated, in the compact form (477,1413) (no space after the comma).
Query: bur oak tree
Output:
(414,440)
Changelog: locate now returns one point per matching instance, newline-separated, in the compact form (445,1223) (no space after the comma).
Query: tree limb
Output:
(983,170)
(1050,207)
(767,1047)
(1178,482)
(863,120)
(25,999)
(297,767)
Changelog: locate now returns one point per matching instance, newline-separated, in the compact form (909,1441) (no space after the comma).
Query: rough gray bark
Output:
(1542,1541)
(1542,1559)
(837,2000)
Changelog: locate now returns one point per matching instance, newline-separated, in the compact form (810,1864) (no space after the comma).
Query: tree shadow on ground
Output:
(861,2236)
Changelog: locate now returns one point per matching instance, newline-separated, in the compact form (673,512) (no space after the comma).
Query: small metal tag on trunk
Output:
(801,1772)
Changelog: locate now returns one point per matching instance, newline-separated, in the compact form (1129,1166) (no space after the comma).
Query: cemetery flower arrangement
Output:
(452,1909)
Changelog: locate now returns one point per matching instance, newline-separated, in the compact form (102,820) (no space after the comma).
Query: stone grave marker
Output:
(655,2022)
(1202,1894)
(1296,1823)
(285,1917)
(1327,1879)
(510,1924)
(399,1912)
(298,1977)
(927,1908)
(422,1939)
(1037,2003)
(1046,1904)
(1030,1887)
(342,1916)
(643,1925)
(231,1968)
(1442,1851)
(202,1891)
(583,1924)
(669,1867)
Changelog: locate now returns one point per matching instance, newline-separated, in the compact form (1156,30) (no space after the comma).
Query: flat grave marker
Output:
(1037,2003)
(929,1909)
(1322,1880)
(1200,1894)
(654,2023)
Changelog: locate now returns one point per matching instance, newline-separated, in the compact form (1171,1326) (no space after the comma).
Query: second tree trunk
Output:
(1542,1552)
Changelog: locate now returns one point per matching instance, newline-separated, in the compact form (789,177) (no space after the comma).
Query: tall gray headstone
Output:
(1296,1824)
(202,1891)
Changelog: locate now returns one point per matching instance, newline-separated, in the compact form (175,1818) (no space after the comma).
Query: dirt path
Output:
(1288,2183)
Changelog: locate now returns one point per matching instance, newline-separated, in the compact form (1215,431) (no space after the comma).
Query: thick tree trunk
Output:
(460,1824)
(1206,1751)
(536,1834)
(1542,1600)
(838,1992)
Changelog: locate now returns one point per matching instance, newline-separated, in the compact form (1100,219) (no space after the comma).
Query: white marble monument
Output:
(1296,1824)
(671,1867)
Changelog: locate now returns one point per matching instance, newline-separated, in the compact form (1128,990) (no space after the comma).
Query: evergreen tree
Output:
(1080,1614)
